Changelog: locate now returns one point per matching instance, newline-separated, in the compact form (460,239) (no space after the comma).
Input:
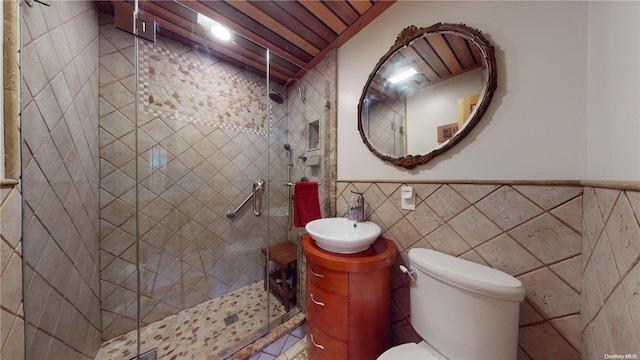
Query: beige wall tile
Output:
(548,239)
(61,179)
(570,270)
(474,227)
(552,311)
(505,254)
(507,208)
(551,296)
(609,296)
(446,202)
(624,234)
(549,197)
(543,342)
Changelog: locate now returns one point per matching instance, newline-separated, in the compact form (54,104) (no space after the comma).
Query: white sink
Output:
(343,236)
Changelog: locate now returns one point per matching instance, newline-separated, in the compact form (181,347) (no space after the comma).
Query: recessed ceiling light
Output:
(405,74)
(217,29)
(221,32)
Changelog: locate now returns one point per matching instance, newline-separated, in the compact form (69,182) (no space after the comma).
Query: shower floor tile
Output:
(200,332)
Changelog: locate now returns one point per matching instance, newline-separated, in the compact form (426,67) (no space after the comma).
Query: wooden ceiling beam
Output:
(360,6)
(344,11)
(299,33)
(275,26)
(311,22)
(322,12)
(300,22)
(200,7)
(377,9)
(171,25)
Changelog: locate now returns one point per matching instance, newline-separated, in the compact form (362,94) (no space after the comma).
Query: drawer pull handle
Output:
(316,344)
(316,302)
(315,273)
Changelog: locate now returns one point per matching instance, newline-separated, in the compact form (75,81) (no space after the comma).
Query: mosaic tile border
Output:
(144,89)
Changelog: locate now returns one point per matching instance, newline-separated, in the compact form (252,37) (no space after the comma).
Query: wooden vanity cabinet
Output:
(348,301)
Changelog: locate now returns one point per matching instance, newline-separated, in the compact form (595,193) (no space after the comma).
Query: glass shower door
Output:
(201,148)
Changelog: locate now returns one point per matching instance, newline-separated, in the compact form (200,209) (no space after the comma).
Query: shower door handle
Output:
(257,197)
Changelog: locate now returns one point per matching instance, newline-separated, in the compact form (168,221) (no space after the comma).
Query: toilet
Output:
(460,309)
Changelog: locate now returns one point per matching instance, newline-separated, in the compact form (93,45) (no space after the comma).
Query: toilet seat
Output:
(412,351)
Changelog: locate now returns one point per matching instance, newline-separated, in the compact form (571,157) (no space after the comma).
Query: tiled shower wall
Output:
(320,93)
(118,278)
(201,145)
(385,126)
(316,89)
(60,180)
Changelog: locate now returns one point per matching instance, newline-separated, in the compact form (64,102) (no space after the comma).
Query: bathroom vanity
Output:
(348,301)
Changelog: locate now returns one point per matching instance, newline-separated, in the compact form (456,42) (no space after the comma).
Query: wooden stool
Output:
(285,256)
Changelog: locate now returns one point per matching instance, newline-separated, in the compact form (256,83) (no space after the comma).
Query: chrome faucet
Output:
(360,205)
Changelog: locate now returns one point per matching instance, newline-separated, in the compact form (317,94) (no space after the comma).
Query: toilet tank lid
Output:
(467,275)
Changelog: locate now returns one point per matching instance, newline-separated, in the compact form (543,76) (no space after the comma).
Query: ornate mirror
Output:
(426,93)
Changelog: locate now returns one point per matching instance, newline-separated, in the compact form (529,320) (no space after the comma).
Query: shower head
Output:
(288,148)
(277,96)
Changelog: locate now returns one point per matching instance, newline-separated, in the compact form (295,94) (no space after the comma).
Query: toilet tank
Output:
(462,309)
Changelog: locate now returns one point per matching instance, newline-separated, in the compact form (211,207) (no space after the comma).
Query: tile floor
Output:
(292,346)
(199,333)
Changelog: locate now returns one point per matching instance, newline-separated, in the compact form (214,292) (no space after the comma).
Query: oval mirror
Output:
(426,93)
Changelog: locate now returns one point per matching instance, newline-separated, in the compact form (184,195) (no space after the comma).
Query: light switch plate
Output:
(407,198)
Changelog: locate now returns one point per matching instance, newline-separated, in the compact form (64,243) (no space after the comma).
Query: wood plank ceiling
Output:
(299,32)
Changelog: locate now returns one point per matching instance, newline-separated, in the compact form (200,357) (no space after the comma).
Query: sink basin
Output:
(343,236)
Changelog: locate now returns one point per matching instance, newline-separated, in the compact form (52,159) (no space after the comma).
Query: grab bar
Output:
(257,197)
(256,194)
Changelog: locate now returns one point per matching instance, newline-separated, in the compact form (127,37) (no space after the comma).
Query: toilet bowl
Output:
(462,310)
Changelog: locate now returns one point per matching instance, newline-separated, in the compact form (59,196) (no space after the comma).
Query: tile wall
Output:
(610,316)
(316,90)
(118,278)
(60,180)
(11,311)
(384,126)
(575,249)
(530,232)
(320,93)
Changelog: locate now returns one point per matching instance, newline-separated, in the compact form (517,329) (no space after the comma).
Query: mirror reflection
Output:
(424,93)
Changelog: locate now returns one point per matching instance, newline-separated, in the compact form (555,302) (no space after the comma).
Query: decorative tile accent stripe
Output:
(211,96)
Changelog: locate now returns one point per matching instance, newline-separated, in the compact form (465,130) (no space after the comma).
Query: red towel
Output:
(306,205)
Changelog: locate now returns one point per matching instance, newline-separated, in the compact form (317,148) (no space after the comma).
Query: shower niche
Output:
(314,135)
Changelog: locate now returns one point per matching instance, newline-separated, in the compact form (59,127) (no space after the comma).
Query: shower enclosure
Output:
(128,182)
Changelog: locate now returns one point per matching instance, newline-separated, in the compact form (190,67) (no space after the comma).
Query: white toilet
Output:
(462,310)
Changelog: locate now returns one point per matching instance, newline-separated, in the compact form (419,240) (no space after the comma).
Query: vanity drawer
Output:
(329,312)
(322,346)
(329,280)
